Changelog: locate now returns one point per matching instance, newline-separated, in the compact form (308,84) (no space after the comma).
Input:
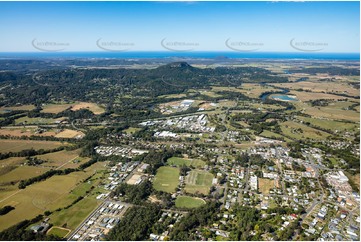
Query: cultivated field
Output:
(19,145)
(198,182)
(188,202)
(57,108)
(177,161)
(166,179)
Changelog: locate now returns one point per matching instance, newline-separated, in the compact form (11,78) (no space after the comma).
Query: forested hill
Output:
(106,84)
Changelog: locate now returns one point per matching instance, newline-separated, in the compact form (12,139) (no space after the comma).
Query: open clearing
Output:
(53,193)
(188,202)
(90,106)
(329,87)
(177,161)
(329,124)
(307,96)
(63,159)
(19,145)
(264,185)
(198,182)
(55,108)
(37,121)
(332,111)
(18,132)
(16,108)
(58,231)
(300,131)
(68,133)
(166,179)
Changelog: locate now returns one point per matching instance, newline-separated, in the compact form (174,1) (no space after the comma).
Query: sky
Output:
(180,26)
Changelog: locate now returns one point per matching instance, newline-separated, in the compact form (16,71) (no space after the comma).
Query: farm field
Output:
(264,185)
(36,121)
(96,109)
(69,133)
(300,131)
(269,134)
(28,131)
(177,161)
(19,145)
(131,130)
(329,124)
(330,87)
(166,179)
(307,96)
(188,202)
(63,159)
(334,112)
(74,215)
(53,193)
(55,108)
(16,108)
(198,182)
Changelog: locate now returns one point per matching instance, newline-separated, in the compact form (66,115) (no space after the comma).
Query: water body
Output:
(281,97)
(190,54)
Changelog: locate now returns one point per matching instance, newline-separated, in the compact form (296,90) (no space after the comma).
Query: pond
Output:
(282,97)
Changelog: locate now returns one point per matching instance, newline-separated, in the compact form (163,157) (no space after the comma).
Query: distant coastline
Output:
(192,54)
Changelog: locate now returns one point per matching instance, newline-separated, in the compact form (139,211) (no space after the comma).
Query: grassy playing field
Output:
(58,231)
(188,202)
(19,145)
(166,179)
(264,185)
(198,182)
(177,161)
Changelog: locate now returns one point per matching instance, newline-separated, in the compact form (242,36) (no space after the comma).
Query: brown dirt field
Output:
(19,145)
(55,108)
(68,133)
(27,132)
(133,179)
(206,106)
(264,185)
(90,106)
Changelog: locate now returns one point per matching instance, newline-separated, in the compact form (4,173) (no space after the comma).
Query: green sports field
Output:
(198,182)
(177,161)
(166,179)
(188,202)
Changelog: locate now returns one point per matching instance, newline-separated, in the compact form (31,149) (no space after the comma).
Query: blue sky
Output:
(199,26)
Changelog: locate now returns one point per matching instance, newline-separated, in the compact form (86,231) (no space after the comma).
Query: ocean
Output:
(190,54)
